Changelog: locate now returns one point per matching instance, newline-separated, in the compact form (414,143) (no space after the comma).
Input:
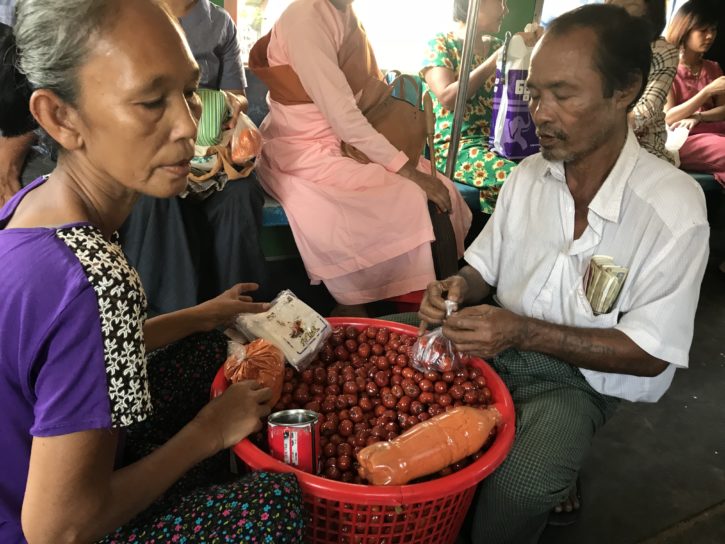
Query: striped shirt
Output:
(649,116)
(648,215)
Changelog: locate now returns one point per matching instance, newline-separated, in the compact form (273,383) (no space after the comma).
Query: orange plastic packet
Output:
(428,447)
(246,140)
(259,360)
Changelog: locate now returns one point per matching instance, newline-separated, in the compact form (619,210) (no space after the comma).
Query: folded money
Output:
(603,282)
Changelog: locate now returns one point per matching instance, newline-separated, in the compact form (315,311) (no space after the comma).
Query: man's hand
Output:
(485,331)
(433,308)
(221,310)
(12,157)
(8,187)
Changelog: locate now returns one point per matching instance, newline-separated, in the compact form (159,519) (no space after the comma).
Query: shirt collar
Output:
(607,203)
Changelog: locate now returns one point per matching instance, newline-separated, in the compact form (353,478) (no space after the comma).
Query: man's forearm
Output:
(477,289)
(603,350)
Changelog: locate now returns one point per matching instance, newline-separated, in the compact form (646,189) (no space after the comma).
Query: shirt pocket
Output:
(600,321)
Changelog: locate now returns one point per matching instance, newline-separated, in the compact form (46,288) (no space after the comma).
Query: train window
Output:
(547,10)
(398,30)
(551,9)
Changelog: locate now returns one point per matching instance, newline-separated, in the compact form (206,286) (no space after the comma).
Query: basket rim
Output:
(451,484)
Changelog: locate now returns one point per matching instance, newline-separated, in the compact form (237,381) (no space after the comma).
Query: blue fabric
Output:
(212,38)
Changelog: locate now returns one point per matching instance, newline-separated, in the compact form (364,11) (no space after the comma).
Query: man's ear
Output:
(58,118)
(625,97)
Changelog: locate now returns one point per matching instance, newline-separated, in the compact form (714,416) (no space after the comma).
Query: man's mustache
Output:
(549,132)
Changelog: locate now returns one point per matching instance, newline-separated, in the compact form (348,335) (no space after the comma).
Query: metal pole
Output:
(464,74)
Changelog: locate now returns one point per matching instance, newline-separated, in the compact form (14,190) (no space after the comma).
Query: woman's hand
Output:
(237,104)
(531,34)
(433,307)
(434,188)
(689,123)
(236,413)
(716,86)
(221,310)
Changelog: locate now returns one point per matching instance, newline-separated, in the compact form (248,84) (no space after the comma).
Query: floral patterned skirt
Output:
(209,504)
(479,167)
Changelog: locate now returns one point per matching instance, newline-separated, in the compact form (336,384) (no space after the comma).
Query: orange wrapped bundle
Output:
(259,360)
(428,447)
(246,141)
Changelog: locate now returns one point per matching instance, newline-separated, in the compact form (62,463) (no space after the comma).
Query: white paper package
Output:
(291,325)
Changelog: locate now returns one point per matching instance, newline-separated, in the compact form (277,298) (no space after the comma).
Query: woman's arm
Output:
(73,493)
(220,311)
(677,112)
(653,100)
(443,82)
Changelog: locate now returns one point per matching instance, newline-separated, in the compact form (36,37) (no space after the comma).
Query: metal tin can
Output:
(294,438)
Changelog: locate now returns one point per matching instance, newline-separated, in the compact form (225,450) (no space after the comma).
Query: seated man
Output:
(591,191)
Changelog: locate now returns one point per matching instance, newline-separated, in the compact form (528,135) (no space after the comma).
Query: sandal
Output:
(563,518)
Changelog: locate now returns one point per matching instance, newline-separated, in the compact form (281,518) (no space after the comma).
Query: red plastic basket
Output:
(409,302)
(424,513)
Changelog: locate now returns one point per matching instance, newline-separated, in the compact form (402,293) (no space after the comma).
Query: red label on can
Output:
(294,438)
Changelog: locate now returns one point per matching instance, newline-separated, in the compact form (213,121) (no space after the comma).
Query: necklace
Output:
(694,68)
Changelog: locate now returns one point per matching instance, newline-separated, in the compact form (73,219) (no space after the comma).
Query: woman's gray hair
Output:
(54,37)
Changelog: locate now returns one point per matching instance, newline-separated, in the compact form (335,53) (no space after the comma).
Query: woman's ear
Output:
(58,118)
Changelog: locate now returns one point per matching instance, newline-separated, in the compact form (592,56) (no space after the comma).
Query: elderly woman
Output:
(476,164)
(362,228)
(187,249)
(92,440)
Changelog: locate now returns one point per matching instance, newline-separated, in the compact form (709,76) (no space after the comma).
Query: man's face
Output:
(572,116)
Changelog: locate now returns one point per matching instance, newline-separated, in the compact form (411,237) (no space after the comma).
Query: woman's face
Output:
(490,16)
(137,104)
(636,8)
(700,40)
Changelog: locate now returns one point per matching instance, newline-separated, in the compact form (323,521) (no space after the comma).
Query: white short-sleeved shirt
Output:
(648,216)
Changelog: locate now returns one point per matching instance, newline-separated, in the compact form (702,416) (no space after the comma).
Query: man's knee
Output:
(531,491)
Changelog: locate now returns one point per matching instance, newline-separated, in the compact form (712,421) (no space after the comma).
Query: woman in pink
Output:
(697,98)
(362,229)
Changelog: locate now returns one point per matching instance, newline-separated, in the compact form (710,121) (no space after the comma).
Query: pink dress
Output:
(361,229)
(704,149)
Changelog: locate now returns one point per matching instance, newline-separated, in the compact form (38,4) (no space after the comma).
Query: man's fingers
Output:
(422,327)
(459,323)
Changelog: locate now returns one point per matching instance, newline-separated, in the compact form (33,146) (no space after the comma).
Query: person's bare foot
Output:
(349,310)
(567,511)
(722,267)
(571,503)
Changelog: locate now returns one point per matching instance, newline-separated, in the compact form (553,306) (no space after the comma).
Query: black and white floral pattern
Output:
(122,309)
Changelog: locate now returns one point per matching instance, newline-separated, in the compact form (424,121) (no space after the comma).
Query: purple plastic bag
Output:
(513,134)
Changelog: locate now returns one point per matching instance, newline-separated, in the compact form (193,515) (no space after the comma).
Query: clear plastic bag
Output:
(291,325)
(433,351)
(246,141)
